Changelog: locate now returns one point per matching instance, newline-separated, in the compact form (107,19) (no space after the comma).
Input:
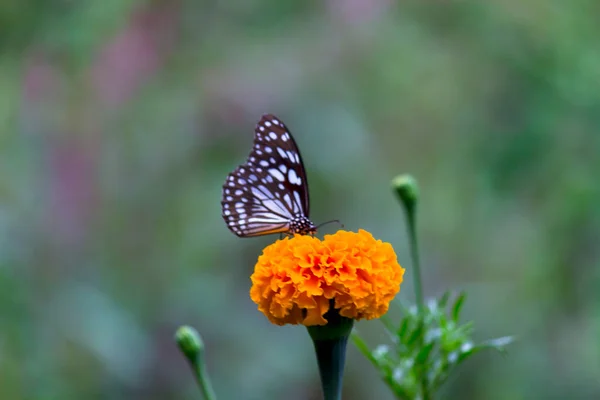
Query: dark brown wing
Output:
(262,196)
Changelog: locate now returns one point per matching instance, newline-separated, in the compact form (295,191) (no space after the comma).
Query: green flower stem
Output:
(406,188)
(330,342)
(408,192)
(331,356)
(414,253)
(203,381)
(191,345)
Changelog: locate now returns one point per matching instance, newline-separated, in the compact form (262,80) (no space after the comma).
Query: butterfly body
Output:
(302,225)
(269,193)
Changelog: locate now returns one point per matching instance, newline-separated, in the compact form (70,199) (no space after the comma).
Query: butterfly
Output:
(269,193)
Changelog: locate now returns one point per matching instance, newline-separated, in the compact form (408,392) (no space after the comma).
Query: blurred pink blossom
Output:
(134,55)
(357,11)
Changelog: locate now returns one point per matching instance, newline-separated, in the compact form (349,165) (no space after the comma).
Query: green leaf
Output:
(400,392)
(415,335)
(388,325)
(444,299)
(405,383)
(498,344)
(464,354)
(403,329)
(443,321)
(424,353)
(440,373)
(460,300)
(382,354)
(362,347)
(465,329)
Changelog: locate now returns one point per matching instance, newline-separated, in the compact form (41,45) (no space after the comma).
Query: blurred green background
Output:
(120,120)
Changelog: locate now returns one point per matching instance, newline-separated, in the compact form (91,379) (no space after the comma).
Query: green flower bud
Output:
(190,343)
(407,190)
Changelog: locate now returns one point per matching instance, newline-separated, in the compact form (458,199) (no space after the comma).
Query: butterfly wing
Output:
(261,196)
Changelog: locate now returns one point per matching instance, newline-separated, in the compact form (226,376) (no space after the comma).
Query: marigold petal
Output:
(295,278)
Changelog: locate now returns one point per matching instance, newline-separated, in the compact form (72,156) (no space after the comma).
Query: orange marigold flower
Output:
(296,279)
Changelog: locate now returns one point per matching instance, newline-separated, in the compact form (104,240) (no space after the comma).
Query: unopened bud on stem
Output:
(407,190)
(191,345)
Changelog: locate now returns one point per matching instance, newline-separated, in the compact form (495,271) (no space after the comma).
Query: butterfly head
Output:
(302,225)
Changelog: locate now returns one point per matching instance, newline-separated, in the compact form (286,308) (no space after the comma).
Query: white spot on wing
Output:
(294,179)
(277,175)
(274,206)
(277,205)
(298,200)
(288,200)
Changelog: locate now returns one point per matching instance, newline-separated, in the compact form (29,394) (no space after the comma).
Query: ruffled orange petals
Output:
(297,279)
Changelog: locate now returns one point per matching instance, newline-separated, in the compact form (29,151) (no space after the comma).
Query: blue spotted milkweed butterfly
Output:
(269,193)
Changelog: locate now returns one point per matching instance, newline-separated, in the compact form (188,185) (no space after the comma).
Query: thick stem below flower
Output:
(330,343)
(331,357)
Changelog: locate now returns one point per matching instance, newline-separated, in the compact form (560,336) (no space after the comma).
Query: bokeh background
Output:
(120,120)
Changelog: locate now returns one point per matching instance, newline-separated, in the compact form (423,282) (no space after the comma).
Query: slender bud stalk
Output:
(407,190)
(191,345)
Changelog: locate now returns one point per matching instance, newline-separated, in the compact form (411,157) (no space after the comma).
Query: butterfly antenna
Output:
(330,222)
